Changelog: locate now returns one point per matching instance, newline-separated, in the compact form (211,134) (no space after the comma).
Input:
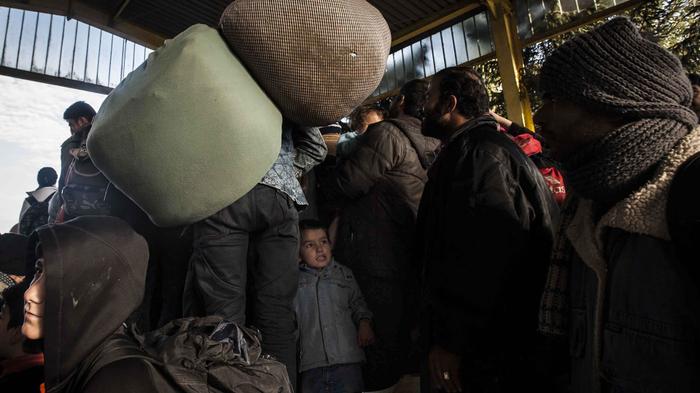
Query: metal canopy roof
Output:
(151,21)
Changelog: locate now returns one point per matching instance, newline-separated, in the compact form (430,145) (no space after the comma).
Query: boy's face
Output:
(315,248)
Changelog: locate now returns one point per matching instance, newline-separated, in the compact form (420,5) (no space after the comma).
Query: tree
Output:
(674,24)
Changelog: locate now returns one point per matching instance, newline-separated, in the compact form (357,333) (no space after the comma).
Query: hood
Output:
(95,270)
(425,146)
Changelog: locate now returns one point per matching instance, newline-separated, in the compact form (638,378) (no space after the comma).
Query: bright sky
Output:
(31,132)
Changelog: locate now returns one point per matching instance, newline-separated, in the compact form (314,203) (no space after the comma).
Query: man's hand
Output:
(444,370)
(365,334)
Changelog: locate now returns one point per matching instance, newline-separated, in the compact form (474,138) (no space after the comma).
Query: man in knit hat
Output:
(617,114)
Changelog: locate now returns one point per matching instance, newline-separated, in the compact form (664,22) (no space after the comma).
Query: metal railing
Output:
(536,17)
(55,46)
(464,41)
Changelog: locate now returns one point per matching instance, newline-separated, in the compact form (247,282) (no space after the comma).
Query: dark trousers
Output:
(339,378)
(246,255)
(387,358)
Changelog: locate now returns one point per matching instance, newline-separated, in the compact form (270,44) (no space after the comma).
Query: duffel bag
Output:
(317,59)
(188,132)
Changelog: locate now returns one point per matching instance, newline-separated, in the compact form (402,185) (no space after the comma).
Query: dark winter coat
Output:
(383,180)
(486,226)
(634,302)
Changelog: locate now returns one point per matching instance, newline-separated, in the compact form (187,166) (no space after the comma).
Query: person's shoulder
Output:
(491,142)
(386,128)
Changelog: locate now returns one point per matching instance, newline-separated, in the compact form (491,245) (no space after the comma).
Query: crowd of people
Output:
(441,247)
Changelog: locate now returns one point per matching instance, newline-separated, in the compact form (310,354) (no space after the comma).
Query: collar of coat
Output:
(642,212)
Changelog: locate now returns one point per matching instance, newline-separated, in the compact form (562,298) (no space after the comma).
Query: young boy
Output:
(334,322)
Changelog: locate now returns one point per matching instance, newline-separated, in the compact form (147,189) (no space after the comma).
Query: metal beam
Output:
(54,80)
(84,12)
(119,11)
(510,62)
(435,21)
(577,23)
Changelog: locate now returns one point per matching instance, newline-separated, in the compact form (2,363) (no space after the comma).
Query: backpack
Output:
(206,355)
(84,191)
(683,212)
(36,216)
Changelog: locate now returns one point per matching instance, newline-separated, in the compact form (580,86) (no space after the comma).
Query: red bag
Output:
(533,148)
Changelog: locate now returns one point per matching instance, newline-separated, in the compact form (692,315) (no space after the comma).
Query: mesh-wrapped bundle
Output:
(188,132)
(317,59)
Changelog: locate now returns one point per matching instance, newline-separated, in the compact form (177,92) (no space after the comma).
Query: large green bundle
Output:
(188,132)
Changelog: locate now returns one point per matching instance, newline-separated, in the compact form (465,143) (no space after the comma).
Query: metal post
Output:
(4,44)
(510,62)
(19,45)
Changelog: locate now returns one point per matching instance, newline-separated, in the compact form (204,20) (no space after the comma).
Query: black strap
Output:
(683,209)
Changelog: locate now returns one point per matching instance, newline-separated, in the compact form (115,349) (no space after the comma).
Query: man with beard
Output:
(486,223)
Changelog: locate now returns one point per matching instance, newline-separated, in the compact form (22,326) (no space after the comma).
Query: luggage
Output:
(211,354)
(317,59)
(188,132)
(85,191)
(197,355)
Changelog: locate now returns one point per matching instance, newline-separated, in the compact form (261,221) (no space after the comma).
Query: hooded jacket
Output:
(95,271)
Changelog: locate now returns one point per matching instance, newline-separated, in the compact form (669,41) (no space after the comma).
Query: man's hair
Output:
(13,297)
(414,93)
(358,116)
(305,225)
(694,79)
(465,84)
(46,177)
(78,110)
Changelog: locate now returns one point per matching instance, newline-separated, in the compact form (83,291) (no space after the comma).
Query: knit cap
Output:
(613,68)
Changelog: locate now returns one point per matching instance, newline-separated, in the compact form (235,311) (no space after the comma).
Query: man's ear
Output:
(451,104)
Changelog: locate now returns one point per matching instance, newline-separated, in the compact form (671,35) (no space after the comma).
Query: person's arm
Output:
(309,149)
(375,154)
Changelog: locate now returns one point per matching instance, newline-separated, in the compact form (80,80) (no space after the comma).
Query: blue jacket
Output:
(329,307)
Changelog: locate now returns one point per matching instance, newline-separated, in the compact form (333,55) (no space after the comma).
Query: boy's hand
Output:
(365,334)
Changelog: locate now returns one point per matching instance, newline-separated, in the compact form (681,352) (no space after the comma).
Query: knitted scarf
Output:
(610,169)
